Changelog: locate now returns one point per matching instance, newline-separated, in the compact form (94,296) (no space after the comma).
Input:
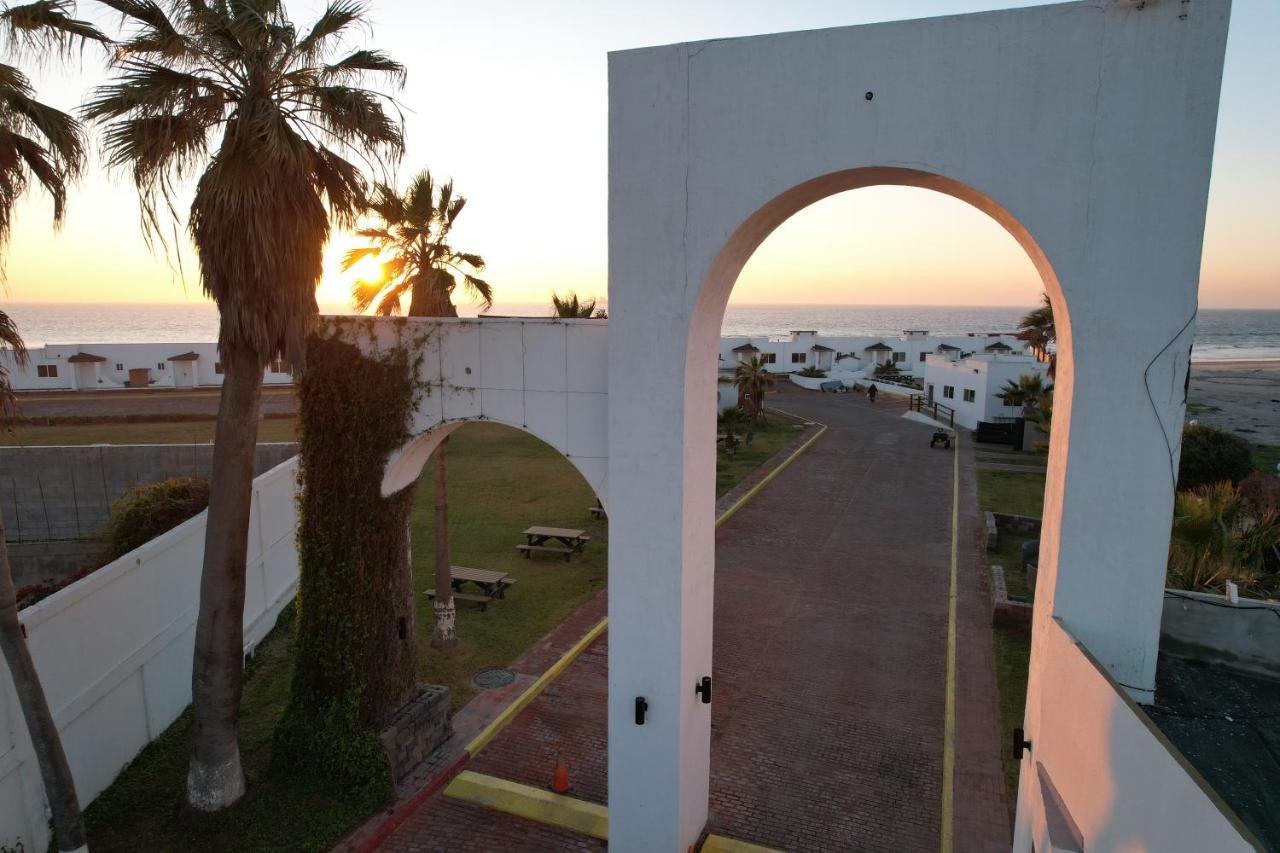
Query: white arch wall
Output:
(1090,123)
(544,376)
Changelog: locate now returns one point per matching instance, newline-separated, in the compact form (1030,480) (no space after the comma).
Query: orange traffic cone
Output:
(560,779)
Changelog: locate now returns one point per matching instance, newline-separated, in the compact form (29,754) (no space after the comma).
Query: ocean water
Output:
(1221,334)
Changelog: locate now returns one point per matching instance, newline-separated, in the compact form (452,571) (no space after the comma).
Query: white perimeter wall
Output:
(1121,782)
(114,652)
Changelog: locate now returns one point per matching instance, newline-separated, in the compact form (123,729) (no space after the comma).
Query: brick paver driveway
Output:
(830,633)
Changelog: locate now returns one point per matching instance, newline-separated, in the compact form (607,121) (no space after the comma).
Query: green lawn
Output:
(500,482)
(1012,648)
(1011,492)
(1009,556)
(771,437)
(142,432)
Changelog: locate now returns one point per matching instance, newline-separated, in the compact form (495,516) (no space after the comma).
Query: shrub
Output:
(1261,493)
(886,369)
(1210,456)
(144,512)
(813,372)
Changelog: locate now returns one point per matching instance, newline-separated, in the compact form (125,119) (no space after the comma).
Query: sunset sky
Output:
(509,98)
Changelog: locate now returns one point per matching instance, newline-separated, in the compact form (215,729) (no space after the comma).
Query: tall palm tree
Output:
(1038,330)
(290,119)
(411,238)
(569,307)
(753,378)
(40,143)
(60,788)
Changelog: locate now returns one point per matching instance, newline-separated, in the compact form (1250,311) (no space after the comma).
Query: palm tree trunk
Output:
(443,635)
(59,786)
(214,778)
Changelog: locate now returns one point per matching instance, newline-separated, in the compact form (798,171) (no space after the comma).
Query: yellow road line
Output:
(532,803)
(949,714)
(509,713)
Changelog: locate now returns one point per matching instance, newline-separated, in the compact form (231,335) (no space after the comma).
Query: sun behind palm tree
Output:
(411,239)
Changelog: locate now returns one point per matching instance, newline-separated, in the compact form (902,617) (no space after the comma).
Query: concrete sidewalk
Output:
(830,648)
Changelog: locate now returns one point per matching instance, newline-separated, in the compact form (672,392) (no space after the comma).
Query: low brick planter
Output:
(417,730)
(1003,610)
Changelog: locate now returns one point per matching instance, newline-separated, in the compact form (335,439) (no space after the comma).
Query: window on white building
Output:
(119,367)
(798,357)
(948,391)
(47,371)
(159,365)
(968,395)
(922,355)
(771,358)
(899,356)
(217,367)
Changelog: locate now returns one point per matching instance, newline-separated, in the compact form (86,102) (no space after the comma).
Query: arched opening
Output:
(501,481)
(901,534)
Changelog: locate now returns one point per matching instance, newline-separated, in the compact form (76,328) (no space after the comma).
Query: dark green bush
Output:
(1212,456)
(144,512)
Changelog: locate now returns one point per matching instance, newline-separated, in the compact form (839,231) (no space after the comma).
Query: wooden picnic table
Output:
(538,537)
(493,585)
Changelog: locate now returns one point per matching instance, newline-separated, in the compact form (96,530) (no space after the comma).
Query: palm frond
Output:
(362,61)
(46,26)
(336,17)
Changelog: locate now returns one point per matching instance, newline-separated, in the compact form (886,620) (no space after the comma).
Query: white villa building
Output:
(88,367)
(971,386)
(857,354)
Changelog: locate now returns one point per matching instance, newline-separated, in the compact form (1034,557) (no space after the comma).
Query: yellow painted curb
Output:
(720,844)
(754,490)
(509,713)
(949,713)
(533,803)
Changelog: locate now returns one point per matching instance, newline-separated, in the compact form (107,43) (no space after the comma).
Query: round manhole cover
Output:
(493,677)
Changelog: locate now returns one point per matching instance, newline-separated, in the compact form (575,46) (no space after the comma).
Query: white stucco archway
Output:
(546,377)
(1085,128)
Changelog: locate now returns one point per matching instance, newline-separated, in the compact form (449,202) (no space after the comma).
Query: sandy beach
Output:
(1240,396)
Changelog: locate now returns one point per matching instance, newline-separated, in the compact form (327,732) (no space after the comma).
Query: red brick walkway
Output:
(830,631)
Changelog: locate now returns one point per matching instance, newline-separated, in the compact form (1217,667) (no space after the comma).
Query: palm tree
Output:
(289,115)
(68,826)
(412,237)
(1038,330)
(729,421)
(40,143)
(752,377)
(570,307)
(1216,538)
(1028,392)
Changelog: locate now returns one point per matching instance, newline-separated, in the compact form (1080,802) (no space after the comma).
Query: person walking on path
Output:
(871,392)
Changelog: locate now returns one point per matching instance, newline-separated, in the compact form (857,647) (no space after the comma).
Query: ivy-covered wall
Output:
(356,639)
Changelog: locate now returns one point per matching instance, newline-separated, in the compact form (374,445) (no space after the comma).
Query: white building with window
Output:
(848,354)
(87,367)
(972,385)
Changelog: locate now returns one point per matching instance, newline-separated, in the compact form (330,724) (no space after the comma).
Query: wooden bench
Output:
(553,549)
(482,600)
(597,511)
